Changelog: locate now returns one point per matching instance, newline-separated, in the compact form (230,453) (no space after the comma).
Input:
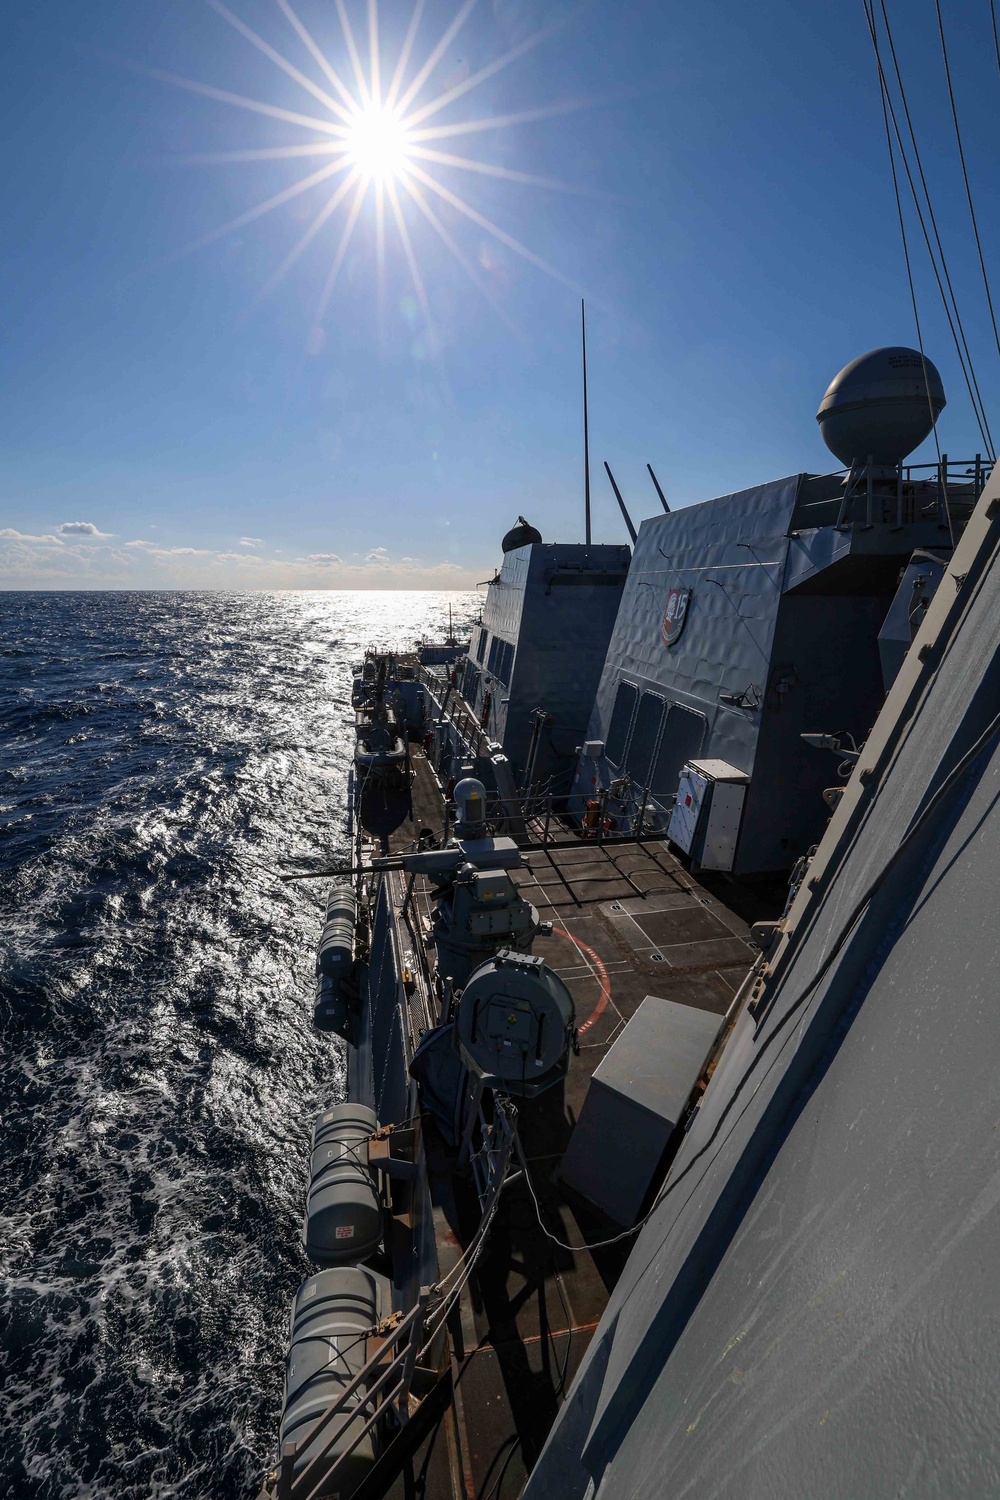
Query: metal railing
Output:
(452,708)
(917,492)
(380,1386)
(626,809)
(382,1392)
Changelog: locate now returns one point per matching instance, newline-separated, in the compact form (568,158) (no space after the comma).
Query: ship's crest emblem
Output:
(674,615)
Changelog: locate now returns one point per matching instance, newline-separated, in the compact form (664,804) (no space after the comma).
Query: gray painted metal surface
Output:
(881,406)
(760,615)
(554,607)
(705,822)
(636,1098)
(813,1307)
(917,587)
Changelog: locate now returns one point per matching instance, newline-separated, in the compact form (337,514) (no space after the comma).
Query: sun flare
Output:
(378,143)
(381,144)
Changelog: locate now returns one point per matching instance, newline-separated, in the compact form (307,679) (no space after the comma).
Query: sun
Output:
(381,145)
(378,143)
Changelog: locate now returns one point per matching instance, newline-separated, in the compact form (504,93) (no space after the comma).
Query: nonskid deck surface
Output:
(628,921)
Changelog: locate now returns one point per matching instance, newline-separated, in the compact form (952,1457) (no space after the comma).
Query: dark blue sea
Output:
(160,756)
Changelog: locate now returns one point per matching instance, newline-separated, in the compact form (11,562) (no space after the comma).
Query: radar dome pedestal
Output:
(881,406)
(521,535)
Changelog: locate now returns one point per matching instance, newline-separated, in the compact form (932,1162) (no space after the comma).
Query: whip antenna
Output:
(586,430)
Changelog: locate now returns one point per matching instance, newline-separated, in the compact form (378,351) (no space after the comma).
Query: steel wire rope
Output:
(957,332)
(965,173)
(902,234)
(996,35)
(348,1150)
(437,1315)
(952,313)
(341,1354)
(564,1244)
(470,1254)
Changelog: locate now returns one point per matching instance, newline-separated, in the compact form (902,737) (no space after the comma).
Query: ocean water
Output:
(160,755)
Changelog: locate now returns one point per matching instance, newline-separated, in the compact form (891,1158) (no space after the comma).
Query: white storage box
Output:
(705,822)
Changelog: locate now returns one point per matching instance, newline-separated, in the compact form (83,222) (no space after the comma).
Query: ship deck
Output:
(628,920)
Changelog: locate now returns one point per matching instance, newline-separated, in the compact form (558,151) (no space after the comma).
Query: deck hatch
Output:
(683,736)
(621,722)
(645,734)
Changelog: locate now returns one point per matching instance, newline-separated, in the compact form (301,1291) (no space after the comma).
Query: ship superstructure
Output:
(748,621)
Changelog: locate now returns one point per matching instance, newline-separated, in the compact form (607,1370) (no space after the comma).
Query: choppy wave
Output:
(160,754)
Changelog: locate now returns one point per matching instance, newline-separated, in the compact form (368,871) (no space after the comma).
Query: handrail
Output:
(409,1341)
(407,1357)
(338,1406)
(498,1141)
(464,719)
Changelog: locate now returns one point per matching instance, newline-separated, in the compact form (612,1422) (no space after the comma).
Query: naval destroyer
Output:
(665,966)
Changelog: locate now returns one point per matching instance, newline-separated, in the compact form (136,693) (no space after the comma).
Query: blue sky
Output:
(731,226)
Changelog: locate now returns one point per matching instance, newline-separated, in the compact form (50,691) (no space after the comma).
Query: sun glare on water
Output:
(380,142)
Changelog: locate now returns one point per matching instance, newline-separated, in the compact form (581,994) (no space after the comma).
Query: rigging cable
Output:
(965,174)
(966,361)
(996,37)
(588,1245)
(979,407)
(902,234)
(958,334)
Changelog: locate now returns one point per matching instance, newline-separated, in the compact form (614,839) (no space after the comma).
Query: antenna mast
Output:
(586,430)
(663,498)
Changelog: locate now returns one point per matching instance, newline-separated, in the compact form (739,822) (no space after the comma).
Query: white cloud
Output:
(152,549)
(251,541)
(28,561)
(10,535)
(82,528)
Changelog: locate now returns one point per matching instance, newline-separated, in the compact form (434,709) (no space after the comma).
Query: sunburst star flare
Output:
(377,139)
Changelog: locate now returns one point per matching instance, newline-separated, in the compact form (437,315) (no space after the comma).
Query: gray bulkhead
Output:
(782,610)
(547,621)
(813,1308)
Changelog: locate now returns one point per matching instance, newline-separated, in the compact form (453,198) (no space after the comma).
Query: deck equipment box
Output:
(705,822)
(636,1099)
